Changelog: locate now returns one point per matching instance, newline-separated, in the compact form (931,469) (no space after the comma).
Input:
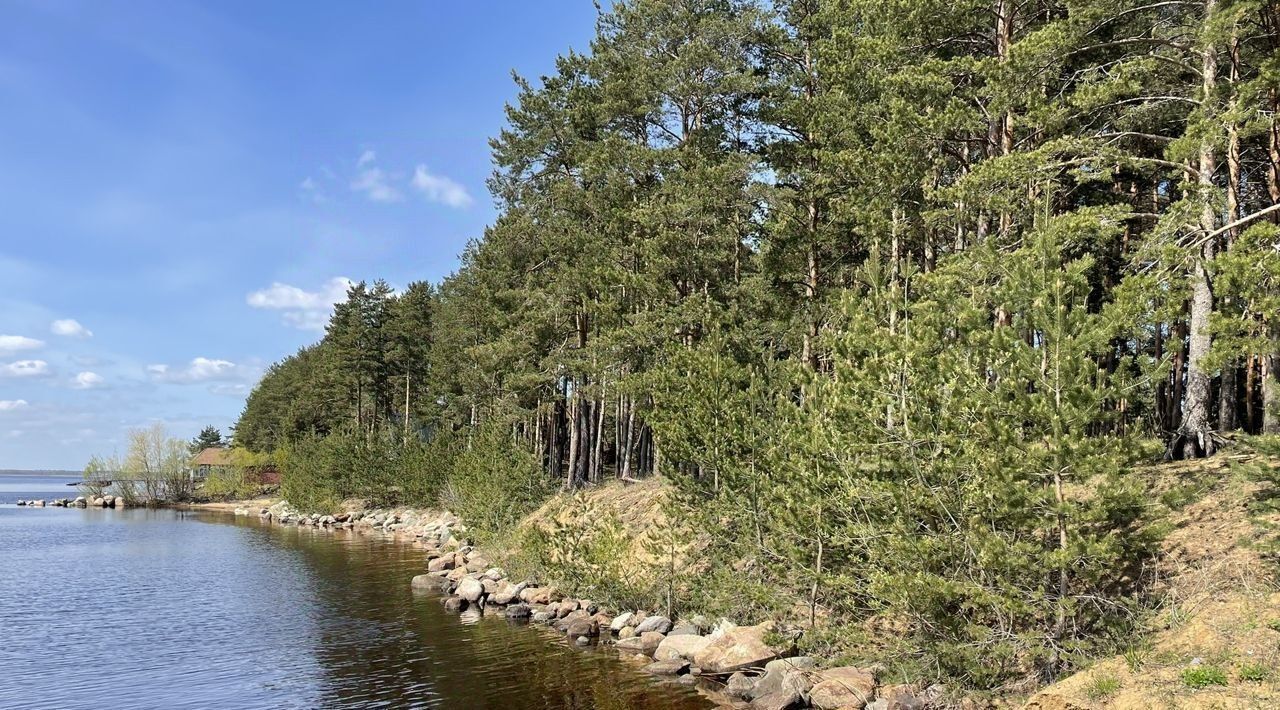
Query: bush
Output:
(317,473)
(493,483)
(1203,676)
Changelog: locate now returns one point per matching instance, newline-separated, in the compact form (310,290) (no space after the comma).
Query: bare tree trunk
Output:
(1195,436)
(1270,393)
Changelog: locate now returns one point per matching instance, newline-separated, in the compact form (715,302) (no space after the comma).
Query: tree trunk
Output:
(1195,436)
(1270,393)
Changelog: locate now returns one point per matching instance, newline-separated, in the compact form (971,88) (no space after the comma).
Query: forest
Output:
(893,293)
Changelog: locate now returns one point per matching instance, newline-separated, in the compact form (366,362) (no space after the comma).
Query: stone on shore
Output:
(584,627)
(736,649)
(780,700)
(455,604)
(661,624)
(645,643)
(621,620)
(425,581)
(785,673)
(684,646)
(672,667)
(846,687)
(739,686)
(440,564)
(519,611)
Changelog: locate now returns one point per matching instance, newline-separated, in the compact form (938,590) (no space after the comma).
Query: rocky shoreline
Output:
(79,502)
(753,666)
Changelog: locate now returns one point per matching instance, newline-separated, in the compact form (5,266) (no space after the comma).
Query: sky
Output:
(187,186)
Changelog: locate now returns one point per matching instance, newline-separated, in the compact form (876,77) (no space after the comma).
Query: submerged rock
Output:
(672,667)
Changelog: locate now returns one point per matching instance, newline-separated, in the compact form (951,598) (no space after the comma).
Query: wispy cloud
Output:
(70,328)
(230,390)
(25,368)
(373,181)
(306,310)
(438,188)
(10,344)
(8,405)
(200,369)
(87,380)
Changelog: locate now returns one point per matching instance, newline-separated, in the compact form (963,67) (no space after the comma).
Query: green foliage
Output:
(1101,686)
(1253,672)
(493,483)
(209,437)
(317,473)
(1199,677)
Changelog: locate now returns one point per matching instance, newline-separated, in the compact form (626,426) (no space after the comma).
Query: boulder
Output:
(661,624)
(645,643)
(455,604)
(686,647)
(505,595)
(846,687)
(619,621)
(739,686)
(477,564)
(470,589)
(425,581)
(673,667)
(685,628)
(583,627)
(494,573)
(785,672)
(541,617)
(440,564)
(736,649)
(626,632)
(898,697)
(489,585)
(519,611)
(456,574)
(780,700)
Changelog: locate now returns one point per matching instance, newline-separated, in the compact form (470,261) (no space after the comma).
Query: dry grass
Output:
(1219,610)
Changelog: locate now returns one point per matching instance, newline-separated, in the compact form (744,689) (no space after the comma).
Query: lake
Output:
(178,609)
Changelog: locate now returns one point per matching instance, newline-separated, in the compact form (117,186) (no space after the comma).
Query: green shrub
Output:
(1203,676)
(1253,672)
(493,483)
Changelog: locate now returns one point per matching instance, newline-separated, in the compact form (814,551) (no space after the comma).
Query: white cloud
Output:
(14,343)
(305,310)
(71,328)
(25,368)
(87,380)
(373,181)
(438,188)
(203,369)
(8,405)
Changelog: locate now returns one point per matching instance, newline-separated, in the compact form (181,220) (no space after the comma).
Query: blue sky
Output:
(184,185)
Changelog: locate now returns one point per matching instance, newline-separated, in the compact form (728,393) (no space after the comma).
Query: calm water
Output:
(170,609)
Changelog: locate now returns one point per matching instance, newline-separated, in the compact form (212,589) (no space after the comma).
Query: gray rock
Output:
(582,641)
(519,611)
(584,627)
(541,617)
(778,673)
(425,581)
(621,620)
(685,646)
(470,589)
(455,604)
(739,686)
(660,624)
(780,700)
(685,628)
(675,667)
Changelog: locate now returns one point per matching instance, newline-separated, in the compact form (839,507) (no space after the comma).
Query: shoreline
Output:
(729,664)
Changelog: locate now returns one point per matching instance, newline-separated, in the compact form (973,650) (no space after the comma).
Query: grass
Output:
(1274,624)
(1198,677)
(1102,686)
(1253,672)
(1137,656)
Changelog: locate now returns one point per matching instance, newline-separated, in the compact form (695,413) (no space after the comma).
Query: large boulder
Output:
(739,686)
(440,564)
(780,700)
(470,589)
(645,643)
(785,672)
(661,624)
(847,688)
(673,667)
(583,627)
(425,581)
(675,647)
(736,649)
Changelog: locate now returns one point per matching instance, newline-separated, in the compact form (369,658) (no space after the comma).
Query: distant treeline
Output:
(878,285)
